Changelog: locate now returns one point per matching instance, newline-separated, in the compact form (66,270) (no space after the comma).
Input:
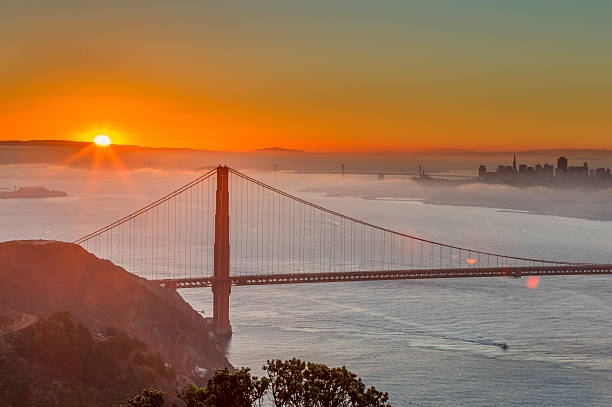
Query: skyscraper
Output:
(561,166)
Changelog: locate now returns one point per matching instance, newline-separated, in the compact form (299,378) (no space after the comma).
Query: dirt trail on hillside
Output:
(24,321)
(13,321)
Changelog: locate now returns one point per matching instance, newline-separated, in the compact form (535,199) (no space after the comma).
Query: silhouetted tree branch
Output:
(290,383)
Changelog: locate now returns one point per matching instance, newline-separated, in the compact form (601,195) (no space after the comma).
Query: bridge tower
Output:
(222,285)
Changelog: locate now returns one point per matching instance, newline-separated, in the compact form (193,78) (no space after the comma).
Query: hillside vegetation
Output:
(57,362)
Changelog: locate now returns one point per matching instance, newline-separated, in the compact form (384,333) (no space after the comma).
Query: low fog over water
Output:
(586,203)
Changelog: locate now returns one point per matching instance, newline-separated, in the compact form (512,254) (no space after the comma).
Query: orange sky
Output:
(317,77)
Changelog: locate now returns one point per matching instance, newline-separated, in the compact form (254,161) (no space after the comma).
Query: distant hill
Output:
(43,143)
(44,277)
(278,150)
(82,144)
(570,152)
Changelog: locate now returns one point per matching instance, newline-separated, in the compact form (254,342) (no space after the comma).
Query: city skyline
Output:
(545,173)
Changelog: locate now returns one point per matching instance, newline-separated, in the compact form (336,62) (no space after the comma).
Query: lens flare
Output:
(532,282)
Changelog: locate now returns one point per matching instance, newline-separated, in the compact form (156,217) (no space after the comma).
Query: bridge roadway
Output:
(296,278)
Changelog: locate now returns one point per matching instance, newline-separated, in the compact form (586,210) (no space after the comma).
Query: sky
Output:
(318,75)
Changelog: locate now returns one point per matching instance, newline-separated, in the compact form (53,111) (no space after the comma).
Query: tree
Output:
(236,389)
(294,383)
(148,398)
(287,382)
(63,342)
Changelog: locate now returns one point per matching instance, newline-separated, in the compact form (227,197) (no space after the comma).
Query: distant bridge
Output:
(183,240)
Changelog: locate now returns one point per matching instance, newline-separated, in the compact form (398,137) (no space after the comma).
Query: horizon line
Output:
(277,149)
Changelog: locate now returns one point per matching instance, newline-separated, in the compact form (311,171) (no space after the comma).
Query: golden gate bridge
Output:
(225,228)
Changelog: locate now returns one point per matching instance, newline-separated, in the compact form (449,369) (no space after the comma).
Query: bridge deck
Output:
(296,278)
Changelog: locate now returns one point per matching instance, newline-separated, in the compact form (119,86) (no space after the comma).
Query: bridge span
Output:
(227,229)
(517,272)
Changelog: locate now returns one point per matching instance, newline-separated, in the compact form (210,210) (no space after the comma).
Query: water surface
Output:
(428,343)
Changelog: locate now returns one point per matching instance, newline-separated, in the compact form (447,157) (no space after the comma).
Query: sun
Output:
(102,140)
